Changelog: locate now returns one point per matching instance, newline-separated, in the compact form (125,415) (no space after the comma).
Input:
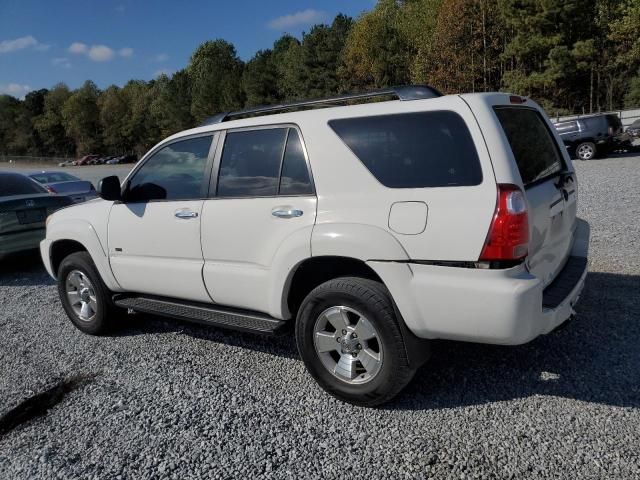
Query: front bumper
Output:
(507,307)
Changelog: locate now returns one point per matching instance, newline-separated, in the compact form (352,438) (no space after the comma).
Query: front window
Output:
(175,172)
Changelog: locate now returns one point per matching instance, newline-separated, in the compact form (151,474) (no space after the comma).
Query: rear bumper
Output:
(507,307)
(19,241)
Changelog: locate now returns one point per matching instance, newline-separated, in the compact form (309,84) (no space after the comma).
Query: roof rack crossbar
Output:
(403,92)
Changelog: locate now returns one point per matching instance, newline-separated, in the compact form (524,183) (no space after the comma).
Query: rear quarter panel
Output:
(348,194)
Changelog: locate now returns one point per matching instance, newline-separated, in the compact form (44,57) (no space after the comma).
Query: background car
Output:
(587,137)
(634,129)
(65,184)
(24,207)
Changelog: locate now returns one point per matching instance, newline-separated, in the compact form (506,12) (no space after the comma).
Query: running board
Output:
(208,314)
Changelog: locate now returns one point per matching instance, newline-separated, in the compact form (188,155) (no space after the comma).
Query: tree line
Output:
(572,56)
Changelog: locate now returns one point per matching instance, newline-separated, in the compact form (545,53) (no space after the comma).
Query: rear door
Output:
(550,187)
(258,223)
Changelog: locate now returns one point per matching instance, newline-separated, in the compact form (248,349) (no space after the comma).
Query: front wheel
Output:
(586,151)
(350,341)
(84,296)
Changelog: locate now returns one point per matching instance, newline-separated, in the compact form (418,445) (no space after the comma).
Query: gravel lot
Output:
(173,400)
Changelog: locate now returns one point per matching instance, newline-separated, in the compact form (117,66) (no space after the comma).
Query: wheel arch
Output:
(313,271)
(68,236)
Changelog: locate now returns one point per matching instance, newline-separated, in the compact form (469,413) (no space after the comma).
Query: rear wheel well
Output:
(317,270)
(62,249)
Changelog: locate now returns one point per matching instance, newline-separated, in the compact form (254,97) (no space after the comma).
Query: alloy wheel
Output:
(348,345)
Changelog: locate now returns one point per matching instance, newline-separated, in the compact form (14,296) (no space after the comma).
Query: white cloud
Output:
(8,46)
(304,17)
(126,52)
(161,57)
(15,89)
(78,47)
(100,53)
(61,62)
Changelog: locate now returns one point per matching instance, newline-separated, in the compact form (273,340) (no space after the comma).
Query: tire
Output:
(345,302)
(77,273)
(586,151)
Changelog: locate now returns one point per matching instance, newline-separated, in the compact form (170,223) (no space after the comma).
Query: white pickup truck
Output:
(370,228)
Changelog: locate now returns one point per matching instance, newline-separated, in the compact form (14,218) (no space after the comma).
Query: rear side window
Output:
(413,150)
(13,184)
(294,179)
(263,163)
(532,144)
(565,127)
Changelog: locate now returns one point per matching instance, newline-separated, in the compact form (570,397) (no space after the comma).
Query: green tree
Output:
(81,118)
(171,104)
(377,52)
(114,114)
(260,79)
(50,124)
(215,72)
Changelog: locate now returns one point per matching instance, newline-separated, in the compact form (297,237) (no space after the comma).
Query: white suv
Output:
(371,228)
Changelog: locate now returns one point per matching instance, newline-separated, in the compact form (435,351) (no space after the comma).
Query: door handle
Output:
(186,214)
(291,213)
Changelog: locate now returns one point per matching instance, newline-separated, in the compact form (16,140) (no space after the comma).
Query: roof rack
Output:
(403,92)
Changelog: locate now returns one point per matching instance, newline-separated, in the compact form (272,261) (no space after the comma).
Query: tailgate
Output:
(550,188)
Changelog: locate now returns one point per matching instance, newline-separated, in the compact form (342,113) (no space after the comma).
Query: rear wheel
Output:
(84,296)
(586,151)
(351,343)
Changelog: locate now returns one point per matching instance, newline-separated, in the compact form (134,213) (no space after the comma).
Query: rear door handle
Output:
(186,214)
(291,213)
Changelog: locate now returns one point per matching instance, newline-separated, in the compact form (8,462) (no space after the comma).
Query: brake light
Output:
(516,99)
(508,237)
(50,189)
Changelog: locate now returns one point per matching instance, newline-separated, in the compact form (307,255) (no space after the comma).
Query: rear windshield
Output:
(14,184)
(52,177)
(533,146)
(413,150)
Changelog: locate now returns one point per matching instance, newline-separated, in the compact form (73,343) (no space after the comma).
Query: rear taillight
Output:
(50,189)
(611,131)
(508,237)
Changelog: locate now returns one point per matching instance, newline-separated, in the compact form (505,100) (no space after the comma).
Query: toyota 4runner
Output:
(370,228)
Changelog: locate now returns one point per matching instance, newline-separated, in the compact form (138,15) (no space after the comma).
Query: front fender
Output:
(83,232)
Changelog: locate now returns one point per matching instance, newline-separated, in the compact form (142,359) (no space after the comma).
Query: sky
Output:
(112,41)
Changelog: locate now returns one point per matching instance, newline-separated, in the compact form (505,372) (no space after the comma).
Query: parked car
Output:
(65,184)
(86,159)
(24,206)
(633,130)
(371,229)
(587,137)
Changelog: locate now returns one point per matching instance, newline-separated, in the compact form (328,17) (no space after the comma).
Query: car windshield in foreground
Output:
(16,184)
(534,148)
(53,177)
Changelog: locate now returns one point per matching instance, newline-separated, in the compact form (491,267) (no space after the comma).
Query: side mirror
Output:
(109,188)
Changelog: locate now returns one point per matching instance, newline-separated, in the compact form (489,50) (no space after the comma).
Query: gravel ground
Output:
(173,400)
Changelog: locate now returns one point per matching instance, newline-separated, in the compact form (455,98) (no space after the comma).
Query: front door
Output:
(258,224)
(154,234)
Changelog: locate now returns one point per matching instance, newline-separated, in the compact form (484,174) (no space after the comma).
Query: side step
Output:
(225,317)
